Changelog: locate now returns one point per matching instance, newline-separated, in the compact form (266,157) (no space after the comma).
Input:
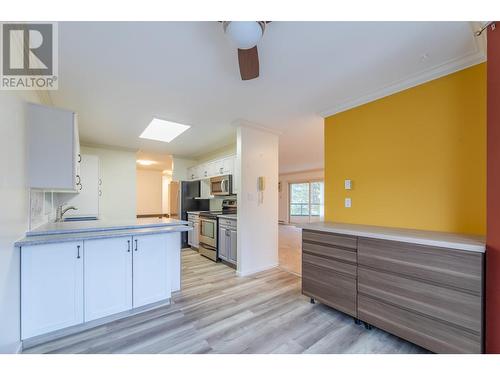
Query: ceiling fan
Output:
(246,35)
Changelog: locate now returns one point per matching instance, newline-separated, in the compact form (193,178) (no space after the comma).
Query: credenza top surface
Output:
(446,240)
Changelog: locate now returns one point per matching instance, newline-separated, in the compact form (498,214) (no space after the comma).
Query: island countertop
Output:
(422,237)
(71,227)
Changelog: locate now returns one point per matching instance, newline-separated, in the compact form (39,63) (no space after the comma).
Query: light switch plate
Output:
(347,203)
(347,184)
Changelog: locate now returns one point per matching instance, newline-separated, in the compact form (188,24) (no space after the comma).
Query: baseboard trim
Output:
(14,348)
(257,270)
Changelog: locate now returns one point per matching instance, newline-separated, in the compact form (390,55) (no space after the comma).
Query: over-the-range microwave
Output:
(222,185)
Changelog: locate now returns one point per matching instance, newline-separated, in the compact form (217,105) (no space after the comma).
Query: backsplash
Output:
(43,205)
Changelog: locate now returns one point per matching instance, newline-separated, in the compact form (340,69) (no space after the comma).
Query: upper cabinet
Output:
(212,168)
(87,201)
(53,149)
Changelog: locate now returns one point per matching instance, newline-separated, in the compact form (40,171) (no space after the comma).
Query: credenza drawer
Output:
(348,255)
(330,287)
(329,264)
(330,239)
(450,305)
(429,333)
(454,268)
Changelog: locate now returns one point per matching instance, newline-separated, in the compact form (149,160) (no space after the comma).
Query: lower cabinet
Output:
(151,282)
(70,283)
(329,270)
(227,237)
(428,295)
(108,276)
(51,287)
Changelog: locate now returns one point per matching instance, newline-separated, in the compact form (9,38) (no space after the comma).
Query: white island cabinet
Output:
(52,287)
(108,276)
(151,266)
(66,283)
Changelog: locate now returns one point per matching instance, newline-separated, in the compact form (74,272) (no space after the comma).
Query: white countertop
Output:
(439,239)
(228,216)
(68,227)
(99,234)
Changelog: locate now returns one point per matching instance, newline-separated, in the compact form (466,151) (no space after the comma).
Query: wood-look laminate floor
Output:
(218,312)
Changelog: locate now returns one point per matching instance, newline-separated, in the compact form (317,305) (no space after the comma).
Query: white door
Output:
(108,276)
(51,287)
(151,269)
(87,201)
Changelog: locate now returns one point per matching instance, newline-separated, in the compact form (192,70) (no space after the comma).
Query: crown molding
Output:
(251,125)
(451,66)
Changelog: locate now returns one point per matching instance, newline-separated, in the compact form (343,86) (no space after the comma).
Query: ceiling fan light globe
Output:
(244,34)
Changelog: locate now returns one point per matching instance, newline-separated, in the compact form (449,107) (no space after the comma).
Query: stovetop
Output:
(213,214)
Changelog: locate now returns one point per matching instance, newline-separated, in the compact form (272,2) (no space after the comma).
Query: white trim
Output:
(240,123)
(451,66)
(14,348)
(256,270)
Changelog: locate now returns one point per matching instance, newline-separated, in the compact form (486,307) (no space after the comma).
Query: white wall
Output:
(149,192)
(14,214)
(165,199)
(118,173)
(179,168)
(257,155)
(218,154)
(286,179)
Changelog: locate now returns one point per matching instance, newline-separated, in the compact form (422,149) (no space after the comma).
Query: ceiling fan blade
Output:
(249,63)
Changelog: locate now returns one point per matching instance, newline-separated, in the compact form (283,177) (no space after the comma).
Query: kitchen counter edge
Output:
(98,234)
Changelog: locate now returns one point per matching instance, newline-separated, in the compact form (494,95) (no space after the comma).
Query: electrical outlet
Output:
(347,203)
(347,184)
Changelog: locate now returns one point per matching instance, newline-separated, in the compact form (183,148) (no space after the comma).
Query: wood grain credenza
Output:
(431,296)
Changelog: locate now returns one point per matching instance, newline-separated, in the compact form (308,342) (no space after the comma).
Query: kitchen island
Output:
(76,275)
(426,287)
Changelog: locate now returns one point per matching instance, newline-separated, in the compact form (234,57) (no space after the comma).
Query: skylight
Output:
(163,131)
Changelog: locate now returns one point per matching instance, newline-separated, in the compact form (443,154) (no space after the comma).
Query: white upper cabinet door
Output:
(228,165)
(218,167)
(53,148)
(191,173)
(108,276)
(152,282)
(51,287)
(87,201)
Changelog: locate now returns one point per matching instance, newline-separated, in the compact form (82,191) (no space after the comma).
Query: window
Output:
(306,201)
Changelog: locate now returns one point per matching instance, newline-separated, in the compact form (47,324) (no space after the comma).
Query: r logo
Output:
(27,49)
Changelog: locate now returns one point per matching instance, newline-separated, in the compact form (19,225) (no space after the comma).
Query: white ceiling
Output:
(118,75)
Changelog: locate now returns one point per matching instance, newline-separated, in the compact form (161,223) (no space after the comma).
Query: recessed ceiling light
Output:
(164,131)
(146,162)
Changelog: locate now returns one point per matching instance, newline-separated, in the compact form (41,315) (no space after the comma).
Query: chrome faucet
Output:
(60,212)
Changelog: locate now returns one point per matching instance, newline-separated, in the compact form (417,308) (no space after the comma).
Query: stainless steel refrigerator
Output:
(184,197)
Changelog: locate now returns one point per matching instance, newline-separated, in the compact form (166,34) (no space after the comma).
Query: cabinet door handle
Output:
(128,246)
(100,182)
(81,187)
(135,245)
(79,180)
(100,193)
(79,158)
(78,253)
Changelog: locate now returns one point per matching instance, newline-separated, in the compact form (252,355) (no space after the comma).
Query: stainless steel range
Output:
(208,228)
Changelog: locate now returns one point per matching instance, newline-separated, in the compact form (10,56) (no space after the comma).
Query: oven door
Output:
(208,231)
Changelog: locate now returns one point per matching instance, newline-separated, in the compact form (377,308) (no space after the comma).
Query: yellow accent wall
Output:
(417,158)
